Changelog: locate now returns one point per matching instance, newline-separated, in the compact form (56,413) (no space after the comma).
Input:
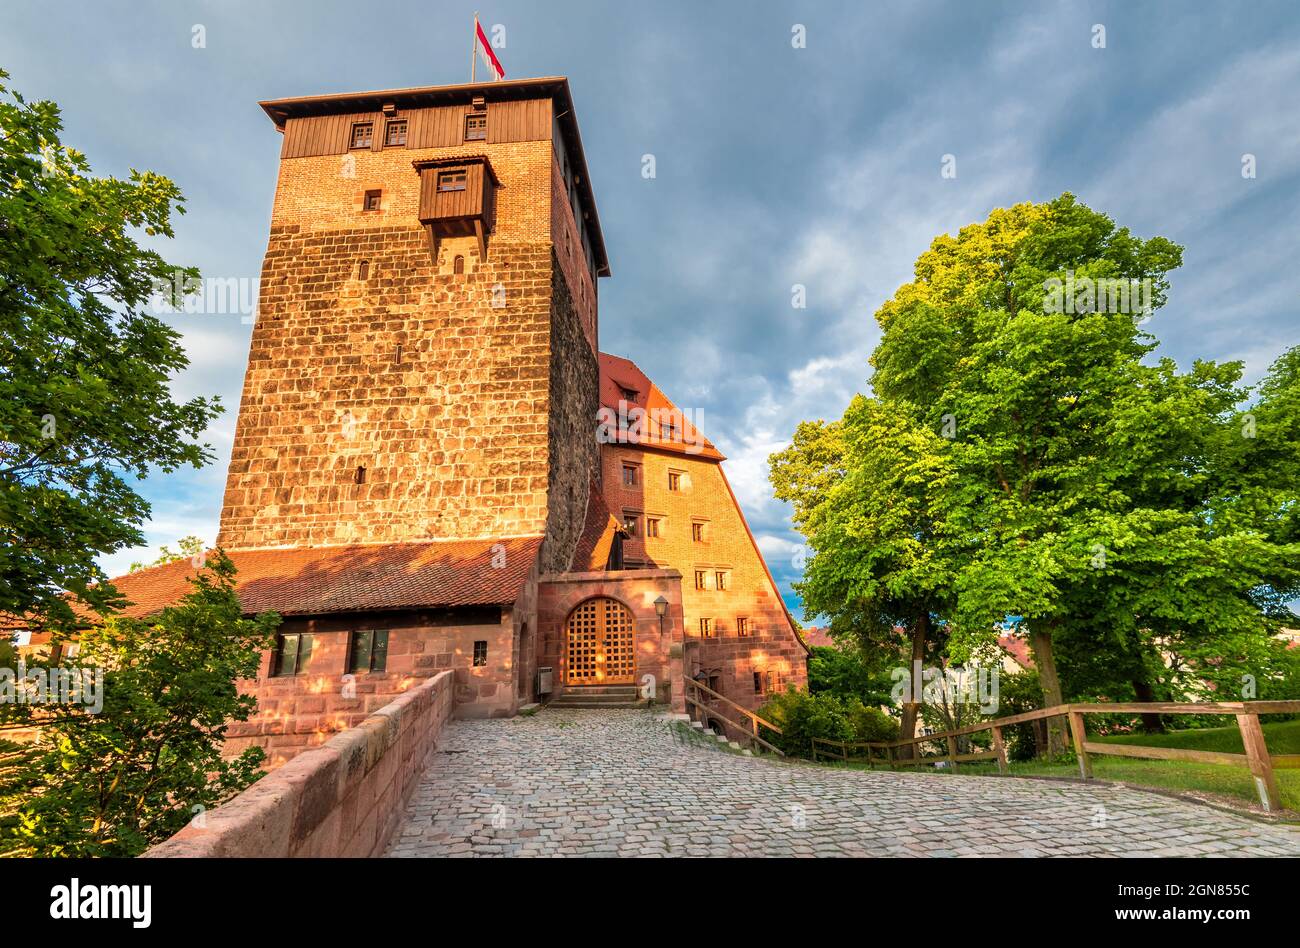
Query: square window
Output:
(742,626)
(480,654)
(701,579)
(630,523)
(292,654)
(674,481)
(652,526)
(372,200)
(720,578)
(368,651)
(706,628)
(395,133)
(451,180)
(362,134)
(629,475)
(476,127)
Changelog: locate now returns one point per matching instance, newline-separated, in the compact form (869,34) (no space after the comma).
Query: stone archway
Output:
(600,639)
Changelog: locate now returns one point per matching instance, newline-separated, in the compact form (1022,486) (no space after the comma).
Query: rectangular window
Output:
(372,200)
(758,683)
(395,133)
(652,526)
(629,395)
(476,127)
(674,481)
(292,654)
(771,681)
(701,579)
(369,651)
(362,134)
(706,628)
(721,580)
(451,180)
(697,531)
(742,626)
(629,475)
(630,523)
(480,654)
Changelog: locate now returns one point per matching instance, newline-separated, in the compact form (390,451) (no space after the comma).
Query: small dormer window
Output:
(362,134)
(451,180)
(476,127)
(628,394)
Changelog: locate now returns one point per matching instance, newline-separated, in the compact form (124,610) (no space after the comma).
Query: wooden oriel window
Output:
(701,579)
(368,651)
(706,628)
(652,526)
(372,200)
(674,481)
(292,654)
(742,625)
(363,134)
(453,180)
(395,133)
(480,653)
(476,127)
(629,475)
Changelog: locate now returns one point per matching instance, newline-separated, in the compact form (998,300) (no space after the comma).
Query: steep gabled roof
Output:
(617,375)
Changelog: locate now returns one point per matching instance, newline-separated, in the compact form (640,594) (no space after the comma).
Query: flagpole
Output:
(473,49)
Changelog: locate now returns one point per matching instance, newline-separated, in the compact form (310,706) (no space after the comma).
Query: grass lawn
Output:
(1282,737)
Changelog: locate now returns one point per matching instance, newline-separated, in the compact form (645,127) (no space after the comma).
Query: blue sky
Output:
(775,166)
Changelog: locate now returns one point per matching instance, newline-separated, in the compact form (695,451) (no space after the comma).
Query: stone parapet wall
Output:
(344,798)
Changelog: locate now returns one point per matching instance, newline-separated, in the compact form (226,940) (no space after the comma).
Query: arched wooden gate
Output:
(601,638)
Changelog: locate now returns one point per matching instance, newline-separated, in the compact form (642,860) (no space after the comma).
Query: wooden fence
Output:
(1256,758)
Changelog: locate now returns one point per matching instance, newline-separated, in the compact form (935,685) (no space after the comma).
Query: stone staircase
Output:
(600,696)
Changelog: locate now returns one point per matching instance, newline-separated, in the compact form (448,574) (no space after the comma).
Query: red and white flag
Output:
(485,52)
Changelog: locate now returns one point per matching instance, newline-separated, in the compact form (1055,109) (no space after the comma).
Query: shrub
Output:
(803,715)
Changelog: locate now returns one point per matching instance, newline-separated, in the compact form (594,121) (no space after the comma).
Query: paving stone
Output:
(622,783)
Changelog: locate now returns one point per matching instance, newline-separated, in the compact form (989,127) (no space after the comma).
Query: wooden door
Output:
(601,644)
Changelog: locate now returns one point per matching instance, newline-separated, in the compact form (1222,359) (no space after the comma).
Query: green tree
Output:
(85,404)
(188,548)
(113,783)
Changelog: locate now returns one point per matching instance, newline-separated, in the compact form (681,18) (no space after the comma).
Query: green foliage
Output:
(802,715)
(85,404)
(846,672)
(113,783)
(187,548)
(1021,460)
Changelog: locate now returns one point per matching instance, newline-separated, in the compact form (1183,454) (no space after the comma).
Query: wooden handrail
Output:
(754,720)
(1256,757)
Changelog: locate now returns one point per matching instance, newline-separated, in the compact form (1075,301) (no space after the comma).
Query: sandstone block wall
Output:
(344,798)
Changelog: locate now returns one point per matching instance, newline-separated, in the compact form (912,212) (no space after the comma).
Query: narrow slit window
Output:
(360,476)
(363,270)
(480,654)
(397,356)
(458,265)
(362,134)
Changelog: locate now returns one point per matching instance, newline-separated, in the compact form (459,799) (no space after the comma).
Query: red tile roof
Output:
(617,374)
(319,580)
(816,636)
(1018,649)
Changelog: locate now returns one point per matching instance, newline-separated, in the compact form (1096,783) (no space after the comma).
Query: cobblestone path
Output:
(629,783)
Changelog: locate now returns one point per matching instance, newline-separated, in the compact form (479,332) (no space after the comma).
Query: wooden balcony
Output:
(457,199)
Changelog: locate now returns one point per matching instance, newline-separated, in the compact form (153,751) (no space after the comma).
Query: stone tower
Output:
(424,362)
